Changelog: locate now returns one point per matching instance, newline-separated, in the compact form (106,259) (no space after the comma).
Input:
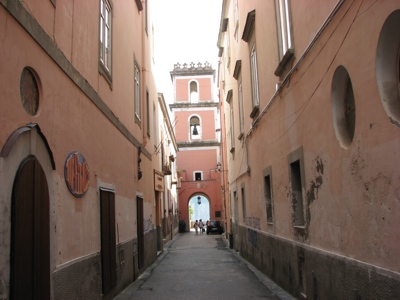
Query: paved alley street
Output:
(201,267)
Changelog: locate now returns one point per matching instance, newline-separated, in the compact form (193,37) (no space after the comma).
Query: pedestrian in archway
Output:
(201,225)
(196,226)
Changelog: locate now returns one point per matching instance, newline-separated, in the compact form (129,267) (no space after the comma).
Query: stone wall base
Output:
(310,273)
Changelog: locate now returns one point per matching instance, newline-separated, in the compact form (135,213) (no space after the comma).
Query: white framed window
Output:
(241,112)
(198,175)
(254,76)
(137,93)
(227,46)
(231,119)
(284,26)
(105,36)
(236,13)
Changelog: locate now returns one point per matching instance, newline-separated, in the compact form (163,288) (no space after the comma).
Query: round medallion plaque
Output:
(76,173)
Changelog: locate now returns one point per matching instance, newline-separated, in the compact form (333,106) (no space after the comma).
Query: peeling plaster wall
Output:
(348,245)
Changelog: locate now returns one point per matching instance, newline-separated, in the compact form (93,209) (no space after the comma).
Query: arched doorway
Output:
(199,208)
(30,233)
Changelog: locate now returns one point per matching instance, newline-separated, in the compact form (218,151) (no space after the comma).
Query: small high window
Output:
(297,185)
(268,194)
(198,176)
(297,194)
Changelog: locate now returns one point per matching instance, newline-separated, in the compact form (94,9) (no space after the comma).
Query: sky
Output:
(185,31)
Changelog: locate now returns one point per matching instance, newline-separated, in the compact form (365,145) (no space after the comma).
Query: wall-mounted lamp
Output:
(218,166)
(198,200)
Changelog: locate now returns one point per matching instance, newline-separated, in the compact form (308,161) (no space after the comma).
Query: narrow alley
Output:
(201,267)
(123,122)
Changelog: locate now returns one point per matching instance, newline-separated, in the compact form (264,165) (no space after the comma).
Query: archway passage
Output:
(30,233)
(200,210)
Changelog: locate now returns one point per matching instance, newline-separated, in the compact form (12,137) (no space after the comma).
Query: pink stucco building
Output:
(83,138)
(310,93)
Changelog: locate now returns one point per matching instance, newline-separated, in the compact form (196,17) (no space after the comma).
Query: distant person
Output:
(196,226)
(201,225)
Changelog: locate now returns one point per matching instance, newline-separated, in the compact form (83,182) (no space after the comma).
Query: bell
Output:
(195,132)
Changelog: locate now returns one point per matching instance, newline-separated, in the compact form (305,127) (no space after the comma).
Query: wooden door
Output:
(30,233)
(108,246)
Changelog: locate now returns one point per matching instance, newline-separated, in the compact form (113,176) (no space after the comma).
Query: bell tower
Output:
(195,111)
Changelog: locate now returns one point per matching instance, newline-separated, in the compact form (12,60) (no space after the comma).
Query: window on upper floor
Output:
(155,141)
(285,38)
(195,128)
(238,76)
(236,13)
(254,81)
(145,17)
(137,94)
(139,5)
(241,112)
(249,37)
(231,120)
(227,42)
(194,91)
(198,175)
(105,38)
(147,113)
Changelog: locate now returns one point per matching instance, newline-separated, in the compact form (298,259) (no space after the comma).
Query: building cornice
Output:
(187,105)
(192,69)
(197,144)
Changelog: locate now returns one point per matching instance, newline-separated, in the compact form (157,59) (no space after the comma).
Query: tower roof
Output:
(192,69)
